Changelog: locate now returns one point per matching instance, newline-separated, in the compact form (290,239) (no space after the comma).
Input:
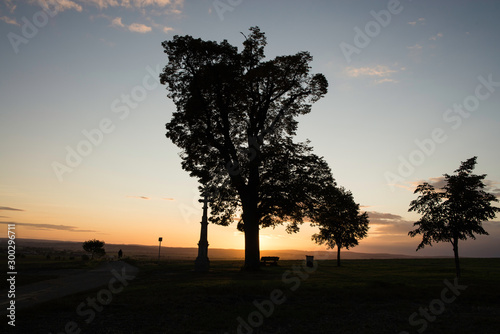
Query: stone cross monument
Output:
(202,262)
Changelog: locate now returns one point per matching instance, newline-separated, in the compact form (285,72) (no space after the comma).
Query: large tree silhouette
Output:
(456,211)
(235,119)
(340,221)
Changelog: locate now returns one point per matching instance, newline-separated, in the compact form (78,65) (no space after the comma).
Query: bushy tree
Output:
(235,120)
(95,247)
(340,221)
(456,211)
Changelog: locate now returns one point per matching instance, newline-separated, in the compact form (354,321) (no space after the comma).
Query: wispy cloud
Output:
(166,6)
(139,27)
(415,52)
(58,5)
(10,6)
(492,187)
(173,6)
(161,27)
(439,182)
(386,80)
(377,71)
(7,208)
(435,37)
(117,22)
(159,3)
(143,10)
(34,226)
(151,198)
(385,224)
(134,27)
(166,30)
(9,20)
(139,197)
(383,217)
(380,73)
(103,3)
(414,47)
(66,5)
(436,182)
(108,43)
(419,21)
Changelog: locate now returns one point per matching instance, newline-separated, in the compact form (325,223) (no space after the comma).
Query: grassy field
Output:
(362,296)
(36,268)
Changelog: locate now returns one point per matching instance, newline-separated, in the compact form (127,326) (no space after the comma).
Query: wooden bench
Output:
(273,260)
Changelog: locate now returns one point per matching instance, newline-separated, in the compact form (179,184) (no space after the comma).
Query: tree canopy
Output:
(95,247)
(340,221)
(235,122)
(455,212)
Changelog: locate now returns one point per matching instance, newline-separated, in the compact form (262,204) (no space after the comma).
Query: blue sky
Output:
(414,89)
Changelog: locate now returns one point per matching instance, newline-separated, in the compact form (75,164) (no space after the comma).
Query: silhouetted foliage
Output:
(455,212)
(340,221)
(235,121)
(95,247)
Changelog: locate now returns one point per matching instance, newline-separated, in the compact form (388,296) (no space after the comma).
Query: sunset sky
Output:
(414,89)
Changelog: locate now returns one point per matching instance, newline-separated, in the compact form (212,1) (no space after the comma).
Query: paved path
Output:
(73,281)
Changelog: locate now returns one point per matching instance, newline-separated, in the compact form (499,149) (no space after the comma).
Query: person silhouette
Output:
(120,253)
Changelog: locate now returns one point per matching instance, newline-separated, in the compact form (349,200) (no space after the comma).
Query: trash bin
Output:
(309,261)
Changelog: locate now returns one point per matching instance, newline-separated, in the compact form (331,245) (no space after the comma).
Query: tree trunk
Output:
(457,260)
(249,200)
(338,255)
(252,246)
(251,227)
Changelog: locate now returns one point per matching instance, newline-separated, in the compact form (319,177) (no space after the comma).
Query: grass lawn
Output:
(362,296)
(36,268)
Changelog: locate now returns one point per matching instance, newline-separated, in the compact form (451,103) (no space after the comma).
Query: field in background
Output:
(363,296)
(67,249)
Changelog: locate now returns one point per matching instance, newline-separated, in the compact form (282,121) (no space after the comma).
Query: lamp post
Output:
(159,248)
(202,262)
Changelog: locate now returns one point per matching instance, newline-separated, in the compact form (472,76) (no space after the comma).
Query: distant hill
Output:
(44,246)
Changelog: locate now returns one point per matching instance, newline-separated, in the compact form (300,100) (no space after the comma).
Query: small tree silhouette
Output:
(94,246)
(340,221)
(455,212)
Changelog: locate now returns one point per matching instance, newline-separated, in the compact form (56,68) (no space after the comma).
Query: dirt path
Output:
(72,282)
